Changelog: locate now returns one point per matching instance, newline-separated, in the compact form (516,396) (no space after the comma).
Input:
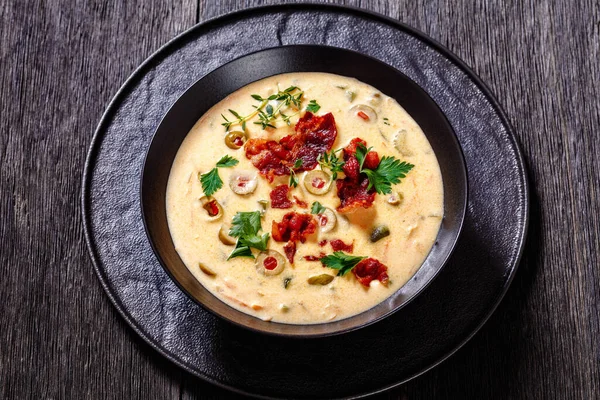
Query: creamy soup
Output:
(281,239)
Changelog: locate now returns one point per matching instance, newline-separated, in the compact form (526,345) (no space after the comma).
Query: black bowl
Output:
(216,85)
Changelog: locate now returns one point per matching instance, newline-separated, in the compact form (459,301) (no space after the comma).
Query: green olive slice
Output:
(317,182)
(224,236)
(364,113)
(206,270)
(270,263)
(327,220)
(379,233)
(212,207)
(242,182)
(322,279)
(235,139)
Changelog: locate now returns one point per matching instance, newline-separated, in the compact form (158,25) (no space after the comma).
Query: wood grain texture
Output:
(62,61)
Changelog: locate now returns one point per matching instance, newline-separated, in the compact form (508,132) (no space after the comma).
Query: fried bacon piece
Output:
(339,245)
(352,190)
(314,258)
(370,269)
(290,251)
(300,203)
(293,227)
(279,197)
(313,135)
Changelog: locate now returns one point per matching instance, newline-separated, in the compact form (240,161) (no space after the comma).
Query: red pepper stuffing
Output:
(293,227)
(238,141)
(290,251)
(370,269)
(338,245)
(300,203)
(363,115)
(318,183)
(279,197)
(212,208)
(323,220)
(270,263)
(313,135)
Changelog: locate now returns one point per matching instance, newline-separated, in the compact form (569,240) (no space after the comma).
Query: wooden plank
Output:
(62,61)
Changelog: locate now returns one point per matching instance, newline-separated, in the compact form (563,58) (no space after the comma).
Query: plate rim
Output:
(109,113)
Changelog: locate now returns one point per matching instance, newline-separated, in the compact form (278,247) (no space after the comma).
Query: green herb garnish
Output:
(341,261)
(386,121)
(317,208)
(245,226)
(389,171)
(293,177)
(211,181)
(267,114)
(331,162)
(312,106)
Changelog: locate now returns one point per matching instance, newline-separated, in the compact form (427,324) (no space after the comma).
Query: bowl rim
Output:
(462,210)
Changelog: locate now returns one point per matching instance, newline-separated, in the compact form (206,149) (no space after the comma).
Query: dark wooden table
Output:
(62,61)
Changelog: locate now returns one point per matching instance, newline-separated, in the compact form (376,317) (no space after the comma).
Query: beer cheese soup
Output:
(304,198)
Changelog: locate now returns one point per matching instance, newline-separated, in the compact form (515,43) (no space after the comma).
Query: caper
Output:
(379,233)
(350,95)
(322,279)
(235,139)
(262,207)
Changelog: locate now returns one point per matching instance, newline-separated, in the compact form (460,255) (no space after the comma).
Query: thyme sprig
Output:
(267,114)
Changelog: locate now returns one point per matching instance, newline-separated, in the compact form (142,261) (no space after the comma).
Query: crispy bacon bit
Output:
(279,197)
(293,227)
(314,258)
(338,245)
(300,203)
(354,194)
(323,242)
(370,269)
(352,190)
(313,135)
(290,251)
(371,160)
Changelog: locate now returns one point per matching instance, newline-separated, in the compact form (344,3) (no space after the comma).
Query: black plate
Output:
(422,334)
(230,77)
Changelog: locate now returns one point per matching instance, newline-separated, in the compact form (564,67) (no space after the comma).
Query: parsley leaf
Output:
(341,261)
(211,182)
(245,226)
(227,161)
(389,171)
(312,106)
(317,208)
